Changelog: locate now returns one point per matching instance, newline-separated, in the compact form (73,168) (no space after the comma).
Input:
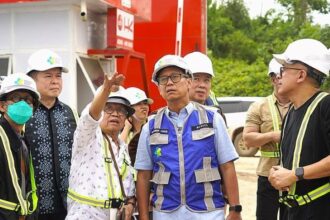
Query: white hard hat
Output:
(45,59)
(169,60)
(309,51)
(199,63)
(274,67)
(18,81)
(136,95)
(120,97)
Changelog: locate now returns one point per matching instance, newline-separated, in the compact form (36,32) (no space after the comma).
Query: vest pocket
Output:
(202,133)
(161,177)
(158,138)
(207,175)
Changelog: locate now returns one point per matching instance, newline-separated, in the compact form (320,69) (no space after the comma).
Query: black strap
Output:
(24,166)
(116,166)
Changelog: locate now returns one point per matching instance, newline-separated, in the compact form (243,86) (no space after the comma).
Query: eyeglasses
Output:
(283,68)
(16,98)
(175,77)
(120,111)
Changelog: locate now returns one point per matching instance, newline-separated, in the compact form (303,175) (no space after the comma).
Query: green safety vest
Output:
(291,199)
(213,98)
(23,207)
(112,194)
(276,127)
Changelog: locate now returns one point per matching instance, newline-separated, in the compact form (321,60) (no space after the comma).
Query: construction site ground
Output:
(247,180)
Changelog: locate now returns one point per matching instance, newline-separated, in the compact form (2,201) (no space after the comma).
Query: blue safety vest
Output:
(185,162)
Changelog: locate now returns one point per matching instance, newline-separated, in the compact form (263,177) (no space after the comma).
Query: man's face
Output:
(289,77)
(16,96)
(177,84)
(49,82)
(200,87)
(114,118)
(275,81)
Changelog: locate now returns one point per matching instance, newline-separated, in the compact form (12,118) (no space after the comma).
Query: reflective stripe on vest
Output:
(276,126)
(213,98)
(295,200)
(23,205)
(112,194)
(320,191)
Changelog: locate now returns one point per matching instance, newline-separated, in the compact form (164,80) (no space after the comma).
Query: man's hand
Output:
(129,209)
(281,178)
(276,136)
(234,216)
(112,84)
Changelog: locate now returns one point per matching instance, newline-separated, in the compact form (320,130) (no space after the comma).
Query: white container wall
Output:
(25,28)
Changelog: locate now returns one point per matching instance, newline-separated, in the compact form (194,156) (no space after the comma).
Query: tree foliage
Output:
(241,47)
(301,8)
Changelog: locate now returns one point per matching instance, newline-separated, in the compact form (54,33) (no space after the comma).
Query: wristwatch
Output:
(299,172)
(235,208)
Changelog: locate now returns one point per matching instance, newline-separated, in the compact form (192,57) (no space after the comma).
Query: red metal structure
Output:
(139,32)
(157,37)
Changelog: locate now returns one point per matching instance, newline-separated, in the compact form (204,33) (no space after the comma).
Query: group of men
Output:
(54,166)
(291,127)
(35,163)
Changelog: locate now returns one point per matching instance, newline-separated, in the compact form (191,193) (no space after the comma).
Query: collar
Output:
(276,102)
(57,103)
(186,110)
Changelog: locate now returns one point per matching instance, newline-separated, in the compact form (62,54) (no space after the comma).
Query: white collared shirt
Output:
(88,172)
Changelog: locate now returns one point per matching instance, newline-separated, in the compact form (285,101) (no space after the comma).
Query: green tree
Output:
(228,28)
(242,48)
(302,8)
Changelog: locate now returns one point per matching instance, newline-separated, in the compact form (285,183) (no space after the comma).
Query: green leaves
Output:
(241,47)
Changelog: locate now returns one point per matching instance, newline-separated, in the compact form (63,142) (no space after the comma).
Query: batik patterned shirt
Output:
(49,135)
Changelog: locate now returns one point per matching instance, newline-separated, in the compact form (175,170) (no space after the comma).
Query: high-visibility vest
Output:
(276,127)
(213,98)
(23,207)
(114,196)
(292,199)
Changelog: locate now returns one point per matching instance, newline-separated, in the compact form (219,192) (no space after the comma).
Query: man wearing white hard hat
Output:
(49,134)
(262,129)
(303,177)
(18,100)
(181,149)
(133,125)
(202,72)
(101,175)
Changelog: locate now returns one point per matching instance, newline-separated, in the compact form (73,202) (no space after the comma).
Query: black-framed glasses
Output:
(120,111)
(283,68)
(175,78)
(16,98)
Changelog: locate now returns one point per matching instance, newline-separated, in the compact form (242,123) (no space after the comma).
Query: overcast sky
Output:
(260,7)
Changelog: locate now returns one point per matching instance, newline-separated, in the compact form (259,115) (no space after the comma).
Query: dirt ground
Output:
(247,180)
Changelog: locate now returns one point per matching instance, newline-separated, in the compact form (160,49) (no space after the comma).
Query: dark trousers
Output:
(267,200)
(56,216)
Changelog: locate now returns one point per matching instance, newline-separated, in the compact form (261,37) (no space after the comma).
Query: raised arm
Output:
(109,85)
